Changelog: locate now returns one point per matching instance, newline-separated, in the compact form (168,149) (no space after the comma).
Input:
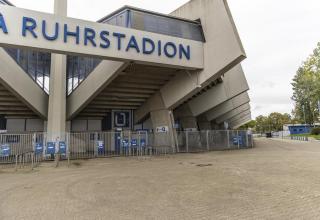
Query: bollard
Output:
(16,168)
(187,142)
(208,145)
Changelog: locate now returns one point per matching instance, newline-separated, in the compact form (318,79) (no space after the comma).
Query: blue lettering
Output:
(89,35)
(104,37)
(56,31)
(184,51)
(70,33)
(173,52)
(144,46)
(159,48)
(29,24)
(133,44)
(119,36)
(3,25)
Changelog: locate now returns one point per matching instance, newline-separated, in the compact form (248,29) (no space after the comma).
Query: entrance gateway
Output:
(133,70)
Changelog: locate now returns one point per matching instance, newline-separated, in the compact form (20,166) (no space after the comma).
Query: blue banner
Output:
(142,142)
(62,147)
(38,148)
(237,140)
(5,150)
(134,142)
(125,143)
(51,148)
(100,146)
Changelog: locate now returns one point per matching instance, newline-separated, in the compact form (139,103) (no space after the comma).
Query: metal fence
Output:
(213,140)
(28,150)
(287,135)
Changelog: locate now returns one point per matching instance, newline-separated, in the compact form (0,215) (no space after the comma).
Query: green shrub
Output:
(315,131)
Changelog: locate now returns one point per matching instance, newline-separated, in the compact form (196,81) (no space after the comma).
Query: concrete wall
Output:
(25,125)
(81,125)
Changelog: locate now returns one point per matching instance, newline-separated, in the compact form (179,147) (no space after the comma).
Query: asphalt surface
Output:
(275,180)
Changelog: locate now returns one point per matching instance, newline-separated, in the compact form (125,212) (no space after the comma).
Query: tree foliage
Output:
(272,122)
(306,89)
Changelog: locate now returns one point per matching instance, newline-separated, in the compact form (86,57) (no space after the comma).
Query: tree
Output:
(306,89)
(273,122)
(249,125)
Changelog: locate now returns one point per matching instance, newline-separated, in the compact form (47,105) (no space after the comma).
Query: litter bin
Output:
(269,135)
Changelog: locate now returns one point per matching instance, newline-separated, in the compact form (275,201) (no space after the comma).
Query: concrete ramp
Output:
(101,77)
(19,83)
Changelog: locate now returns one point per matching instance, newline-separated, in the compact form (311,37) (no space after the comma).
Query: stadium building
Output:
(131,70)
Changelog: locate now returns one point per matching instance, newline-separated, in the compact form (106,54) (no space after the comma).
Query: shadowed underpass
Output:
(275,180)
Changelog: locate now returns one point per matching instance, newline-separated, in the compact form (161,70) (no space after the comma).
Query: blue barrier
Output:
(38,148)
(51,148)
(5,150)
(237,140)
(62,147)
(134,143)
(143,142)
(100,146)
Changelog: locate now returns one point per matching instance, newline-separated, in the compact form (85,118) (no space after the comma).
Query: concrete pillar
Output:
(204,123)
(186,118)
(57,97)
(163,118)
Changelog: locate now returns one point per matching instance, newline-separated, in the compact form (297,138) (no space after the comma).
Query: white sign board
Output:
(162,129)
(48,32)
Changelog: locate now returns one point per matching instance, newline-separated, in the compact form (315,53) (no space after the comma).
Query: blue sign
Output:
(100,145)
(51,148)
(237,140)
(134,142)
(125,143)
(38,149)
(143,142)
(5,150)
(62,147)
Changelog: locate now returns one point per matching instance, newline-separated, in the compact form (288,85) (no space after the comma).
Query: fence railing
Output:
(28,150)
(287,135)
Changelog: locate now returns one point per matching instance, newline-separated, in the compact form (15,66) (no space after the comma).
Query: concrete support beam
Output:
(238,117)
(233,113)
(227,106)
(160,117)
(94,84)
(185,117)
(204,123)
(56,125)
(241,122)
(222,50)
(15,79)
(234,83)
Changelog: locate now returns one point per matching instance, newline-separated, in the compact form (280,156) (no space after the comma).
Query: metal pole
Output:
(247,139)
(208,146)
(228,137)
(187,142)
(238,140)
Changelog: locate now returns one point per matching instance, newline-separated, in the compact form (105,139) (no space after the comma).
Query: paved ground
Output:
(276,180)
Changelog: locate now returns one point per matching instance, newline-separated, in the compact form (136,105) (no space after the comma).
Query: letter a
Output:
(3,25)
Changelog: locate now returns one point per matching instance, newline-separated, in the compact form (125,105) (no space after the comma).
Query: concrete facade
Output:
(164,96)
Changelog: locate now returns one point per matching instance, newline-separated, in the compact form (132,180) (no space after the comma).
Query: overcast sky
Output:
(277,36)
